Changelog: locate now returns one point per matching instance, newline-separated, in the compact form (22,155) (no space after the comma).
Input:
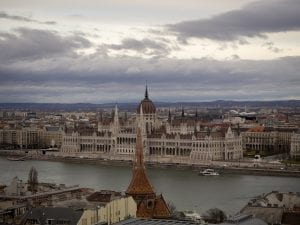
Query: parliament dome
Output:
(147,105)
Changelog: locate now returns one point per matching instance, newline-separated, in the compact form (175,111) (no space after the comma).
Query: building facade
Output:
(179,139)
(31,137)
(114,211)
(295,146)
(267,142)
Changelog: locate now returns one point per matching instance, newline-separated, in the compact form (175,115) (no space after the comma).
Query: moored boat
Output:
(209,172)
(16,159)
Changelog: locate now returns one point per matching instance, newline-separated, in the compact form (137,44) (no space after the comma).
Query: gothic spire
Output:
(149,205)
(116,114)
(140,184)
(169,116)
(101,116)
(140,121)
(139,156)
(195,129)
(182,112)
(146,91)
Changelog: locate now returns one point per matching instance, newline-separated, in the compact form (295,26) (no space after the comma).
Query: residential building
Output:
(275,208)
(117,210)
(52,136)
(31,137)
(112,206)
(237,220)
(51,215)
(110,213)
(266,142)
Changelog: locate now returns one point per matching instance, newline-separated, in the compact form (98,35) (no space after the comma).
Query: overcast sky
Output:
(100,51)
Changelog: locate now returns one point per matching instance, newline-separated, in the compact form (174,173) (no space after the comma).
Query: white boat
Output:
(209,172)
(193,216)
(16,159)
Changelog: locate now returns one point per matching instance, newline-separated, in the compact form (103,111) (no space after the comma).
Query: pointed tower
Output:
(149,111)
(115,121)
(101,116)
(146,92)
(140,185)
(229,133)
(169,116)
(182,112)
(116,115)
(149,205)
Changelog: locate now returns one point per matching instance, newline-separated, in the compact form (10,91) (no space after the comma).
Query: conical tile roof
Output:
(140,184)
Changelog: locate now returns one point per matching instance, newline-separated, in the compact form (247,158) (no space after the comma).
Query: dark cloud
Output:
(254,20)
(98,78)
(271,46)
(44,66)
(32,44)
(144,46)
(4,15)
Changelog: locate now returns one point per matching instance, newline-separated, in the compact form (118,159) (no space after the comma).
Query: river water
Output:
(184,188)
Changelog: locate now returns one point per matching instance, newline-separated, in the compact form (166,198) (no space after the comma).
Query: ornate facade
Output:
(176,139)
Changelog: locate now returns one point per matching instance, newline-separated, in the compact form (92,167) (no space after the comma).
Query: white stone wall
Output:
(295,146)
(273,141)
(123,145)
(113,212)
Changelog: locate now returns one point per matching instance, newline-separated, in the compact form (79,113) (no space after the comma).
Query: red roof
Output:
(140,184)
(257,129)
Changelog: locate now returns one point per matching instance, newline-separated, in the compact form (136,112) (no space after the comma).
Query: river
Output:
(184,188)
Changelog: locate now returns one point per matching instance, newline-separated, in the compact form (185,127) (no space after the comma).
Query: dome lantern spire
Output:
(146,91)
(146,104)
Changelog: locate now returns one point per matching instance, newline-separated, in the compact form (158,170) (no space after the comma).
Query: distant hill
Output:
(133,106)
(229,104)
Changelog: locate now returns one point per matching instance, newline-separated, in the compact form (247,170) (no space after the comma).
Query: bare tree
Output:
(214,215)
(33,180)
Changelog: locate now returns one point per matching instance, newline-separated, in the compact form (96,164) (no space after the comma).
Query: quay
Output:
(223,167)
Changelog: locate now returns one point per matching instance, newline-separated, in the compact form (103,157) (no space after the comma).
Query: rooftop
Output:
(65,215)
(239,220)
(103,196)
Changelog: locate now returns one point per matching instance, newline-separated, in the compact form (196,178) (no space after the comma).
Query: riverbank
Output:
(225,167)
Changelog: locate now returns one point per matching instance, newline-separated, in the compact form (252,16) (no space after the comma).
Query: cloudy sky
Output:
(100,51)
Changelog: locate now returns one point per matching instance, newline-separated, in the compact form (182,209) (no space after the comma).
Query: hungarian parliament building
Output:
(173,140)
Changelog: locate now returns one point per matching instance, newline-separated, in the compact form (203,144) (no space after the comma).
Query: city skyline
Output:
(101,52)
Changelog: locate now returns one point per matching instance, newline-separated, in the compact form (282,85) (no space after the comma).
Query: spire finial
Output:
(146,91)
(139,157)
(116,113)
(101,116)
(139,141)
